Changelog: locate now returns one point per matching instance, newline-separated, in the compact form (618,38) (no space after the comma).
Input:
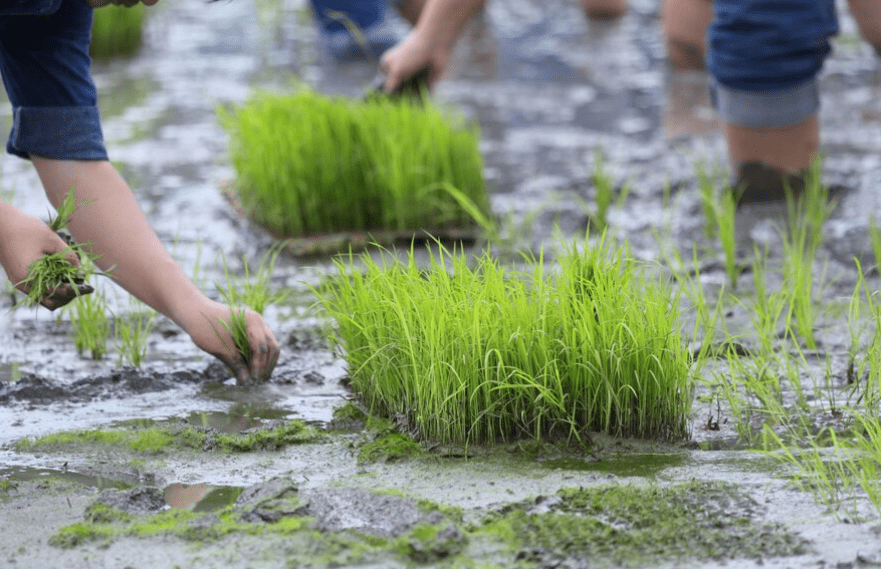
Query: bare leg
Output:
(867,13)
(789,149)
(112,223)
(767,161)
(605,8)
(685,27)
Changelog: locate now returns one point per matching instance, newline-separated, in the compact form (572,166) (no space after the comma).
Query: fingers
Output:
(265,351)
(64,294)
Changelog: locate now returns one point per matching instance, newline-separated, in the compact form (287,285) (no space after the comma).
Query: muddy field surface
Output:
(203,473)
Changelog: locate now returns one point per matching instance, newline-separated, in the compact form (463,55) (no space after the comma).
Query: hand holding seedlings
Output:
(248,348)
(38,260)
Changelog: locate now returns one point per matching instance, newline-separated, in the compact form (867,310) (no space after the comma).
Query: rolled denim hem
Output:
(59,133)
(766,108)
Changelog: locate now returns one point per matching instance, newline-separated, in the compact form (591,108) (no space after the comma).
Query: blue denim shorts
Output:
(44,61)
(764,56)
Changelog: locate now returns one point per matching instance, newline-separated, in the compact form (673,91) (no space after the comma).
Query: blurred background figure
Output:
(364,29)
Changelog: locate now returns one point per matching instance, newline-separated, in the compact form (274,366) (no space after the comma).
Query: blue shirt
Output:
(44,61)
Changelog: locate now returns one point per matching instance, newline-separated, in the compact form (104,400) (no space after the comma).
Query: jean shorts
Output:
(44,61)
(765,55)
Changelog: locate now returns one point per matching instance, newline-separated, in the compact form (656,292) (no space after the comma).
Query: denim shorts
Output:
(44,61)
(764,56)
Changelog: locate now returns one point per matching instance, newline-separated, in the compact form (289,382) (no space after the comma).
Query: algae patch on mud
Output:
(147,437)
(611,525)
(640,525)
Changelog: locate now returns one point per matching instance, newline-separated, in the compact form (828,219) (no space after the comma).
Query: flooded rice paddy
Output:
(549,89)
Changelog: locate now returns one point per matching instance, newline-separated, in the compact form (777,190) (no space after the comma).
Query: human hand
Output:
(23,240)
(126,3)
(411,56)
(211,335)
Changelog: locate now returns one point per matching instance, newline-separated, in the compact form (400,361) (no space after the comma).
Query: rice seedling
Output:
(91,326)
(476,355)
(253,290)
(875,240)
(806,216)
(238,328)
(604,185)
(117,31)
(307,164)
(707,188)
(132,331)
(727,233)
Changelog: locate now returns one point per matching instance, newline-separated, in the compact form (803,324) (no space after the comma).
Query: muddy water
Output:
(549,89)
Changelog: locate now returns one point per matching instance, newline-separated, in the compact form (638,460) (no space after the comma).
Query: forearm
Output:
(442,21)
(111,223)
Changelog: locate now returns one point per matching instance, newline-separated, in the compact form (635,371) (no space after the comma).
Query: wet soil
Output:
(549,89)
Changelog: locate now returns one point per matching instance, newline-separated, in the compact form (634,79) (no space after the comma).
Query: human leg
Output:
(764,56)
(685,25)
(867,13)
(604,8)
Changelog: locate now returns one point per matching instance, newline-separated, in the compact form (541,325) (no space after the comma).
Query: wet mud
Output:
(549,89)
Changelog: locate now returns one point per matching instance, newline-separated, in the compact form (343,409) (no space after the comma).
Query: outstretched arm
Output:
(439,26)
(113,225)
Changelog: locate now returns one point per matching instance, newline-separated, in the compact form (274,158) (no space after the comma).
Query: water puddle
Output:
(201,497)
(48,475)
(643,464)
(239,417)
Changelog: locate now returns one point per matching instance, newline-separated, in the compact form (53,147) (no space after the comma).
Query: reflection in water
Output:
(28,474)
(201,497)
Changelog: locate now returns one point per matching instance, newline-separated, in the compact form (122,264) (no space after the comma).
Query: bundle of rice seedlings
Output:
(308,164)
(487,354)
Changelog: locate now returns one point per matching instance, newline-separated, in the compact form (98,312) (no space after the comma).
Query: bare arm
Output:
(114,226)
(438,28)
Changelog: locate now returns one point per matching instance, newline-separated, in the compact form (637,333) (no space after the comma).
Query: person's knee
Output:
(867,14)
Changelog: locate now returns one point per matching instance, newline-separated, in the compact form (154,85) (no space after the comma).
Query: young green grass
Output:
(250,290)
(801,242)
(308,164)
(604,185)
(117,31)
(91,326)
(132,330)
(706,185)
(476,355)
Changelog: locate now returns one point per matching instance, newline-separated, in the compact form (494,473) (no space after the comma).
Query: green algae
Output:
(645,465)
(146,438)
(641,525)
(390,447)
(612,525)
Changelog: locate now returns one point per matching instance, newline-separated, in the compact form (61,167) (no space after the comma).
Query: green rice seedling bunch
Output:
(117,31)
(486,354)
(237,326)
(309,164)
(250,290)
(604,185)
(90,323)
(132,330)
